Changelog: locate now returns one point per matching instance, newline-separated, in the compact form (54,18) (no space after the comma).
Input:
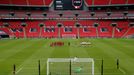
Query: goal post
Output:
(61,66)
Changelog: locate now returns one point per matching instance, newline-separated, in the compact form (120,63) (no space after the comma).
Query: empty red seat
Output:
(20,2)
(121,29)
(88,2)
(106,26)
(4,2)
(130,32)
(118,1)
(86,29)
(130,1)
(48,2)
(36,2)
(101,2)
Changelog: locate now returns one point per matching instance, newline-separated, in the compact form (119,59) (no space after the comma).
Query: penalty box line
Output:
(122,71)
(19,70)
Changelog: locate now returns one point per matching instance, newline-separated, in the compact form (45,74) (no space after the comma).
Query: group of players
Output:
(53,44)
(59,44)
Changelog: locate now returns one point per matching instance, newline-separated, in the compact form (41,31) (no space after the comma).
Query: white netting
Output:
(75,66)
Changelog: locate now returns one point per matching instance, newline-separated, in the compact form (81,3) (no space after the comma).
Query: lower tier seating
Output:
(66,29)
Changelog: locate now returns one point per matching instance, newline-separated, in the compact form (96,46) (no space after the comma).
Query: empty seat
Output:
(101,2)
(4,2)
(20,2)
(130,1)
(88,2)
(105,29)
(121,29)
(48,2)
(118,1)
(36,2)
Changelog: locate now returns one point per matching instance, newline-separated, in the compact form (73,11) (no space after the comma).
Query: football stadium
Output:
(66,37)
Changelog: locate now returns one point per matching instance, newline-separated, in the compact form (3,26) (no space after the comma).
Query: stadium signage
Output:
(77,4)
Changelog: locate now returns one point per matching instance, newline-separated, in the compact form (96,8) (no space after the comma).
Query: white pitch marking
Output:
(122,71)
(19,70)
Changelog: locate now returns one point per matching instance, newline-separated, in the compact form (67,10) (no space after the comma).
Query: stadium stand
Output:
(20,2)
(121,28)
(130,2)
(88,2)
(101,2)
(118,2)
(27,2)
(48,2)
(4,1)
(104,29)
(51,29)
(108,2)
(44,23)
(35,2)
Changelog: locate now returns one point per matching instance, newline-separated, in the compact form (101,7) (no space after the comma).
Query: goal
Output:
(70,66)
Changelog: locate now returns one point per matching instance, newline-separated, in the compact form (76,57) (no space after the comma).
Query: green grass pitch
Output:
(25,53)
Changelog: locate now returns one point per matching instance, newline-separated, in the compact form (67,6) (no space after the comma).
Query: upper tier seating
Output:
(48,2)
(88,2)
(118,1)
(108,2)
(101,2)
(36,2)
(67,14)
(130,1)
(27,2)
(4,1)
(20,2)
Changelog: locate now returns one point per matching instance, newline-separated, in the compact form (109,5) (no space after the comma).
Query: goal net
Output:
(70,66)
